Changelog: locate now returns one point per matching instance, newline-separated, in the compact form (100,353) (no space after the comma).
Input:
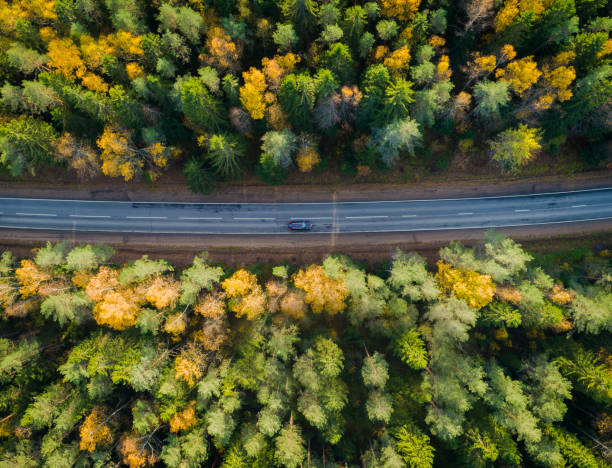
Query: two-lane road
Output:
(271,218)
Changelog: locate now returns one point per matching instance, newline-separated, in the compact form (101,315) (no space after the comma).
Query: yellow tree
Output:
(246,295)
(307,157)
(118,309)
(223,54)
(184,420)
(211,306)
(252,93)
(512,8)
(275,68)
(65,56)
(94,431)
(121,157)
(240,283)
(31,277)
(555,85)
(188,365)
(475,289)
(521,74)
(131,447)
(293,304)
(398,61)
(78,155)
(126,44)
(163,292)
(104,281)
(403,10)
(94,82)
(176,324)
(443,71)
(93,50)
(322,292)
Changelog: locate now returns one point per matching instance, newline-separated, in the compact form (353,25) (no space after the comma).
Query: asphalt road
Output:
(261,218)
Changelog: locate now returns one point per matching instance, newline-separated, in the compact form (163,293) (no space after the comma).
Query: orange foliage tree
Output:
(322,292)
(94,431)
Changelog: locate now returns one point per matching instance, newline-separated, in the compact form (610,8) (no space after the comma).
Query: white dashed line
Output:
(88,216)
(409,216)
(520,211)
(306,217)
(202,218)
(35,214)
(256,219)
(146,217)
(578,206)
(464,214)
(365,217)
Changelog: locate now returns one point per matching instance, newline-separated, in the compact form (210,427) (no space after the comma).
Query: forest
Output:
(488,357)
(223,88)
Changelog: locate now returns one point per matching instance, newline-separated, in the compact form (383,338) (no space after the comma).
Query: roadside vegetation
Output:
(226,88)
(491,358)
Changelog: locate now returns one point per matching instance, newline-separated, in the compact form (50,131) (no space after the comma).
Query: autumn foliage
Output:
(142,365)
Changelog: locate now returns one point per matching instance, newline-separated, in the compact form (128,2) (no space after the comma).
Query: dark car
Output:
(299,225)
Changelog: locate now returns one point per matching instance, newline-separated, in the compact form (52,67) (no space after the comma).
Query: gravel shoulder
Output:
(305,248)
(455,188)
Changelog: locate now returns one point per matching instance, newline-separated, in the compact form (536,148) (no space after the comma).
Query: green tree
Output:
(398,97)
(277,148)
(374,84)
(375,371)
(399,135)
(289,444)
(25,143)
(337,58)
(303,14)
(297,96)
(198,179)
(88,257)
(189,22)
(200,275)
(387,29)
(354,23)
(415,447)
(408,275)
(410,348)
(515,147)
(491,97)
(205,113)
(332,33)
(225,152)
(285,37)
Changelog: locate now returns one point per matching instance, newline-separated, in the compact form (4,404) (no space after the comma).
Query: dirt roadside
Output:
(236,193)
(249,250)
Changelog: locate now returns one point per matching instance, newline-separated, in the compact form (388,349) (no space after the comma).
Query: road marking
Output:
(578,206)
(256,219)
(146,217)
(88,216)
(364,217)
(306,217)
(520,211)
(35,214)
(409,216)
(464,214)
(200,218)
(23,228)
